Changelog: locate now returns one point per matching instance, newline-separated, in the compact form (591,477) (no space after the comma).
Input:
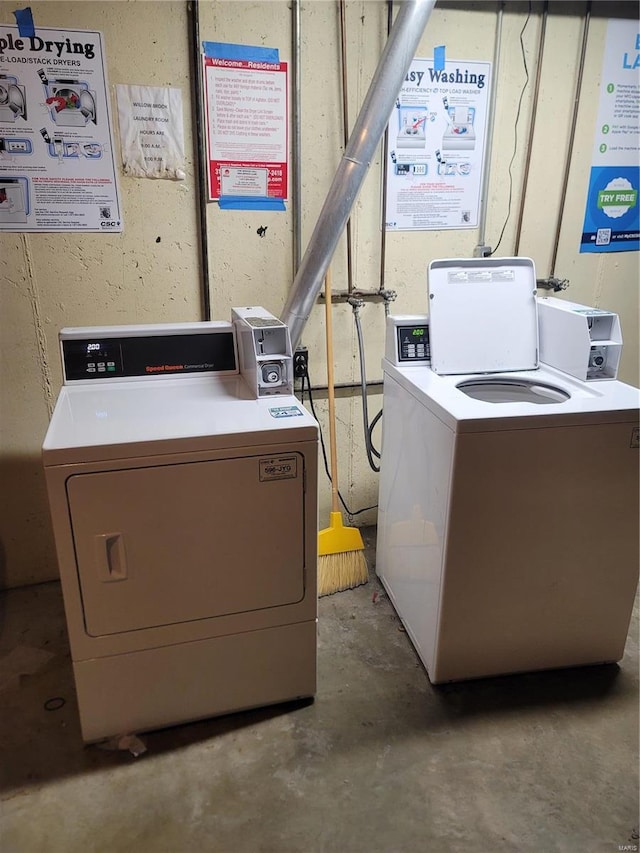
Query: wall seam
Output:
(41,340)
(599,280)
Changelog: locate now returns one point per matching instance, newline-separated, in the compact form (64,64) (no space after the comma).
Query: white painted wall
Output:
(50,281)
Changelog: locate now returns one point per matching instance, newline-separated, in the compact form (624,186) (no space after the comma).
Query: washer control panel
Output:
(408,339)
(413,343)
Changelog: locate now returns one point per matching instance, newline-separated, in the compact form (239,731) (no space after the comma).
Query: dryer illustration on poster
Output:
(62,149)
(11,145)
(14,200)
(13,102)
(71,103)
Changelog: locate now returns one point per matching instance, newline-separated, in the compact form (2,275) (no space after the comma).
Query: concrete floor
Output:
(380,761)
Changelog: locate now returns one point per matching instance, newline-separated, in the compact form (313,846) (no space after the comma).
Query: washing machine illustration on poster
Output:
(411,127)
(14,201)
(460,134)
(71,102)
(13,102)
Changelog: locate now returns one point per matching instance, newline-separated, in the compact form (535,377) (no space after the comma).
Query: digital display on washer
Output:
(413,343)
(159,355)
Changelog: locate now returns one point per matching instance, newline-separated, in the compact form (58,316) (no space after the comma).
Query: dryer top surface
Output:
(115,421)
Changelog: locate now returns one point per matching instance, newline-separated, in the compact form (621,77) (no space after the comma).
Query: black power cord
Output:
(305,379)
(515,141)
(371,451)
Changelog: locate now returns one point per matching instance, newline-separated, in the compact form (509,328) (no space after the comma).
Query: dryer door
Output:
(175,543)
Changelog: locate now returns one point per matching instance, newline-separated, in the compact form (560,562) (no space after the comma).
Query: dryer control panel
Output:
(124,353)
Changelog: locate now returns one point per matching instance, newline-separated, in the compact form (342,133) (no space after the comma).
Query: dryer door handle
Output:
(110,557)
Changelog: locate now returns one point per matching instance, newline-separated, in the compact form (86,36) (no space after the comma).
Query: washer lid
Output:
(483,315)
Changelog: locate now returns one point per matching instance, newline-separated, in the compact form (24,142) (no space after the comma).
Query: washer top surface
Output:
(96,422)
(561,399)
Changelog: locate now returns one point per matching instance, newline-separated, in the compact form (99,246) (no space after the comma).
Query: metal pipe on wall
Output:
(373,117)
(484,189)
(532,125)
(383,212)
(193,11)
(572,134)
(296,153)
(345,126)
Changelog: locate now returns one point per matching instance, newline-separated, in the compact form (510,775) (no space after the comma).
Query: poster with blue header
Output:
(611,221)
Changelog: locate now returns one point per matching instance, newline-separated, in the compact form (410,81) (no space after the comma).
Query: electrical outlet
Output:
(300,362)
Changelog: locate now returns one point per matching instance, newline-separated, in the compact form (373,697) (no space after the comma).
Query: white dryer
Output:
(508,506)
(184,508)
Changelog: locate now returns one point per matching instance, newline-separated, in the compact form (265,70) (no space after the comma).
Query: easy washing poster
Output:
(56,164)
(611,221)
(436,143)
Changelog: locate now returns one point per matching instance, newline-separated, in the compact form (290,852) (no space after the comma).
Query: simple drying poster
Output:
(435,151)
(611,221)
(56,165)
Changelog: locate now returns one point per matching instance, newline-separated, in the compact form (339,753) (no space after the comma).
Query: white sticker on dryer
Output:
(285,412)
(278,468)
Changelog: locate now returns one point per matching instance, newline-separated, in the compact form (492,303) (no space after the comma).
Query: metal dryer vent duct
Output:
(372,120)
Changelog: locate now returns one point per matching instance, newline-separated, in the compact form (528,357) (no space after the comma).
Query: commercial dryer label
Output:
(278,468)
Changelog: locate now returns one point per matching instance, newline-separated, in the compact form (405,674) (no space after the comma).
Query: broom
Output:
(341,561)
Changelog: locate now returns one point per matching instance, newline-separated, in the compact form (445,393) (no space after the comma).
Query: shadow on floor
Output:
(368,674)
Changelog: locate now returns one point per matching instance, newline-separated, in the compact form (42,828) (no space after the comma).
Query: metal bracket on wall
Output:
(385,296)
(553,283)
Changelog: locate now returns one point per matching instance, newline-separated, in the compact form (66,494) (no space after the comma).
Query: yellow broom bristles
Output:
(337,572)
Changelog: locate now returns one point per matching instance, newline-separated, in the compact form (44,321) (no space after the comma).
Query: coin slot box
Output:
(577,339)
(265,351)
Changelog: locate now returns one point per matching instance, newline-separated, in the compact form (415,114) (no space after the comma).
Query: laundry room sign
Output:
(247,133)
(151,131)
(56,164)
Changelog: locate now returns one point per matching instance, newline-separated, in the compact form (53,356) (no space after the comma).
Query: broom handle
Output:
(335,505)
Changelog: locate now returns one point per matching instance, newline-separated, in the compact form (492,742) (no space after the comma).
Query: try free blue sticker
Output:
(285,412)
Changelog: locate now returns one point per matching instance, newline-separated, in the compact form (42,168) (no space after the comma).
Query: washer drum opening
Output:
(505,390)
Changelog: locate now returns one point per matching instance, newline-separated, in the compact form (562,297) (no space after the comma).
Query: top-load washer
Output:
(508,506)
(184,510)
